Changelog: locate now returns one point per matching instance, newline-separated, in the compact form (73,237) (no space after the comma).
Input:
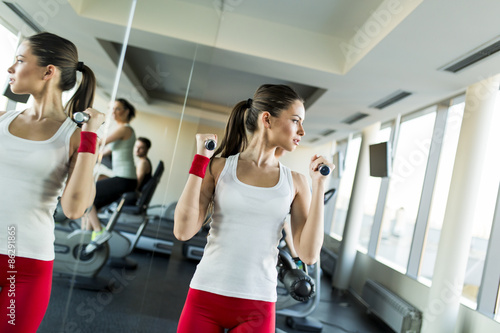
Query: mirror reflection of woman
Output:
(43,155)
(120,144)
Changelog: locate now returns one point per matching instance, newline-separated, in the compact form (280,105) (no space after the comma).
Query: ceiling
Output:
(342,56)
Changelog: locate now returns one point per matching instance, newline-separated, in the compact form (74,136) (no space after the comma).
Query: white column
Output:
(354,218)
(444,297)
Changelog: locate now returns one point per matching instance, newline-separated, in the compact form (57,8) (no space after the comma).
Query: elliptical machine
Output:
(298,293)
(81,267)
(71,262)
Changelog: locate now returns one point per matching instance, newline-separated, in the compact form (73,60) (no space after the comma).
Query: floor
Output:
(150,299)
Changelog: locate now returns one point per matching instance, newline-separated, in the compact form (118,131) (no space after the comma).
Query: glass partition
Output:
(159,56)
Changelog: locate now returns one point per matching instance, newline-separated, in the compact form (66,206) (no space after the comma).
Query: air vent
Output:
(391,99)
(327,132)
(354,118)
(23,16)
(467,60)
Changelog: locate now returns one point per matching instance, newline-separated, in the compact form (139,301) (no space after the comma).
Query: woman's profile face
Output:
(26,76)
(287,127)
(119,112)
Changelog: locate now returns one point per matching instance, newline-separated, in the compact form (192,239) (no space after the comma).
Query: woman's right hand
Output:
(200,144)
(96,120)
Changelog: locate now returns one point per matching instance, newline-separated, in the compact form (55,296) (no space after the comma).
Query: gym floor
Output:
(150,299)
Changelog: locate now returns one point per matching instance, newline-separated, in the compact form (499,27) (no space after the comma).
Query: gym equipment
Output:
(70,257)
(324,169)
(135,206)
(210,144)
(158,235)
(81,117)
(298,294)
(296,281)
(71,263)
(293,283)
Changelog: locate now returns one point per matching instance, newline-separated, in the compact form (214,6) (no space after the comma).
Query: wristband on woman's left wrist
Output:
(88,142)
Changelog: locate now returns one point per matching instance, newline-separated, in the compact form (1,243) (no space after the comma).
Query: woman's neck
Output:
(260,154)
(48,106)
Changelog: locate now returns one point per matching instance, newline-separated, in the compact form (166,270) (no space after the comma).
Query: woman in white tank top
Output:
(234,286)
(42,152)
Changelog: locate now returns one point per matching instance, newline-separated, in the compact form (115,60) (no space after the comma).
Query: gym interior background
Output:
(413,73)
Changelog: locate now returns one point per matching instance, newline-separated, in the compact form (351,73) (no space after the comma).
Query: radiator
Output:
(398,314)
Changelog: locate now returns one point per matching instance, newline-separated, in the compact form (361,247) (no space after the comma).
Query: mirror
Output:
(162,67)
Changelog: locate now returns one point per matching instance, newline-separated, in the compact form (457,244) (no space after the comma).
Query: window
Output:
(484,211)
(345,187)
(8,44)
(405,187)
(441,188)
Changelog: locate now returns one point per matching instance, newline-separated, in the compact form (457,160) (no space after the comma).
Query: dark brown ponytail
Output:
(235,137)
(84,95)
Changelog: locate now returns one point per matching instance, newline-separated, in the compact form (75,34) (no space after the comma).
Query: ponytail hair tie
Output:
(79,67)
(249,103)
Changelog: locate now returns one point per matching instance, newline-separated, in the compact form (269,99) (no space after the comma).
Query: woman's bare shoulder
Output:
(299,181)
(217,164)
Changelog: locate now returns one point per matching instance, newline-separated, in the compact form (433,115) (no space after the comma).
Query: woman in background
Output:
(120,144)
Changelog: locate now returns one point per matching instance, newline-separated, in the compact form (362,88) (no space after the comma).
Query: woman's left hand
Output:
(318,161)
(96,120)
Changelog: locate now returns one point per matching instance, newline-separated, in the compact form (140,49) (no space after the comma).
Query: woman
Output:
(121,147)
(42,152)
(234,285)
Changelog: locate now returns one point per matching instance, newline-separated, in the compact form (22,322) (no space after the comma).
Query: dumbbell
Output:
(324,169)
(210,144)
(81,117)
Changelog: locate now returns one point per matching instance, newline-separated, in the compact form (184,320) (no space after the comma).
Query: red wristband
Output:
(199,165)
(88,142)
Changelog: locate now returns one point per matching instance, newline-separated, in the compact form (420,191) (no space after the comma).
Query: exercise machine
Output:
(298,293)
(135,207)
(81,267)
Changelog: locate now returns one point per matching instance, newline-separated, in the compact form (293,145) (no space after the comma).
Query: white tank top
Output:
(32,175)
(242,250)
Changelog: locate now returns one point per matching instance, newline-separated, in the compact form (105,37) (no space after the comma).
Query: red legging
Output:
(25,293)
(211,313)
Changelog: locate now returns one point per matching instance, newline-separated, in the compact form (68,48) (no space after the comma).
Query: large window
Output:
(345,187)
(8,44)
(405,187)
(441,188)
(484,211)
